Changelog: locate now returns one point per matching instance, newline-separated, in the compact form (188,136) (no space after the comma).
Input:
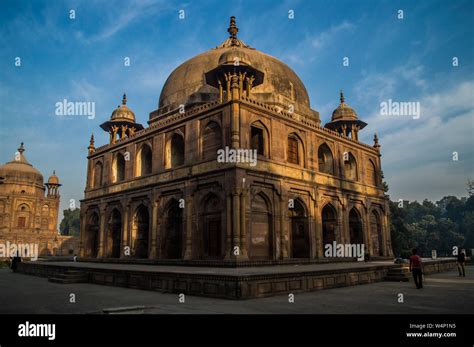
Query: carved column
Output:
(154,219)
(188,254)
(83,236)
(235,112)
(102,232)
(243,224)
(282,254)
(236,220)
(125,229)
(368,231)
(228,217)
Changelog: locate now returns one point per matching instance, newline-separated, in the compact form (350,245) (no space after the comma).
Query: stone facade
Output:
(161,193)
(29,208)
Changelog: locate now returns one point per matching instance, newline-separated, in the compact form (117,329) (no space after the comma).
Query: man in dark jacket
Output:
(416,269)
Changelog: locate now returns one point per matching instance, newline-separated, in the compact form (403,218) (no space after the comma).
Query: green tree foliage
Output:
(427,226)
(70,223)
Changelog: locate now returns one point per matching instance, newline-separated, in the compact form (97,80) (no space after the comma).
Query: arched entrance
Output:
(299,231)
(141,224)
(114,234)
(261,229)
(376,234)
(329,221)
(173,233)
(92,235)
(355,227)
(212,227)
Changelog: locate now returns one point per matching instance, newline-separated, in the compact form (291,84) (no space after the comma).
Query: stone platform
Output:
(228,283)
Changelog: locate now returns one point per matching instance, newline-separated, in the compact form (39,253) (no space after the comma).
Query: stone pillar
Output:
(318,233)
(235,113)
(236,221)
(243,224)
(154,219)
(188,250)
(83,236)
(283,249)
(368,231)
(387,230)
(125,229)
(102,232)
(228,218)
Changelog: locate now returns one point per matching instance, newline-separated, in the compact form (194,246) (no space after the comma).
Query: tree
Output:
(470,187)
(70,223)
(428,226)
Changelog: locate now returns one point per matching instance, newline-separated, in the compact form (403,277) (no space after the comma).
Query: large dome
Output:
(187,83)
(21,171)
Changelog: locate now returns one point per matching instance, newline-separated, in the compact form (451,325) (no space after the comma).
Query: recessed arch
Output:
(329,223)
(118,168)
(114,234)
(325,159)
(350,167)
(172,239)
(212,230)
(295,149)
(261,235)
(300,244)
(97,174)
(355,227)
(140,232)
(376,234)
(211,140)
(372,177)
(175,148)
(260,138)
(92,234)
(144,161)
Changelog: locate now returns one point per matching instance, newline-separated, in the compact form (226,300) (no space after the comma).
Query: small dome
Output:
(123,112)
(19,169)
(343,111)
(233,57)
(53,179)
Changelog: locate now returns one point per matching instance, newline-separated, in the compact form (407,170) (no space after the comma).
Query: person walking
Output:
(416,268)
(461,263)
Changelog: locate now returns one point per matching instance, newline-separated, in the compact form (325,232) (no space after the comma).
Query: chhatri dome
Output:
(344,120)
(190,82)
(53,179)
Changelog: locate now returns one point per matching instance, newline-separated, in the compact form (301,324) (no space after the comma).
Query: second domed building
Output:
(234,166)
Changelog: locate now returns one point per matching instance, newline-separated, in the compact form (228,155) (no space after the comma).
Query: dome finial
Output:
(232,30)
(22,148)
(91,147)
(376,141)
(341,97)
(124,99)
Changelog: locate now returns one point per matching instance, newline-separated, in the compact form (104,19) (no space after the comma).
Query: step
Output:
(125,310)
(397,278)
(62,280)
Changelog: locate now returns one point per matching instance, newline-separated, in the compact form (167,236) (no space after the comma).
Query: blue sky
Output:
(389,58)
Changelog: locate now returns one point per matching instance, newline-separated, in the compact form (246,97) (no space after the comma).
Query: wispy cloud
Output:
(330,35)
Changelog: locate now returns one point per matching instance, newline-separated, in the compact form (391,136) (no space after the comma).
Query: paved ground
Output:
(443,293)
